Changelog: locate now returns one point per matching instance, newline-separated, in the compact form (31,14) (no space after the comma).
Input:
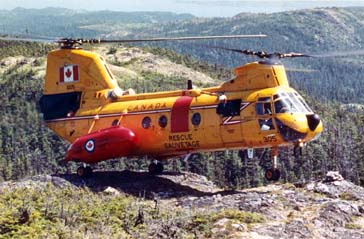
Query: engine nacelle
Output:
(104,144)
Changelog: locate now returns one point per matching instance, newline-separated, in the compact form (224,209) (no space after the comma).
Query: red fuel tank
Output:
(101,145)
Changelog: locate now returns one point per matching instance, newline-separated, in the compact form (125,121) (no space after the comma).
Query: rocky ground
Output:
(331,208)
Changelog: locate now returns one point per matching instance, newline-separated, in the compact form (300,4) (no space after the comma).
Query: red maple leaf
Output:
(68,73)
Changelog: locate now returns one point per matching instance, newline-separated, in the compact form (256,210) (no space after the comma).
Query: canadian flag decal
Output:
(69,73)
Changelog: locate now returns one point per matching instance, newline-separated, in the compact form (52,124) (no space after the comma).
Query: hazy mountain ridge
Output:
(311,29)
(63,22)
(324,31)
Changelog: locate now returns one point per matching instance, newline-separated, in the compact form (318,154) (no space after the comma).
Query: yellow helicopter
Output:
(84,105)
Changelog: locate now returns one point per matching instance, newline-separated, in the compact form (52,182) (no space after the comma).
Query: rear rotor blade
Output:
(261,54)
(28,38)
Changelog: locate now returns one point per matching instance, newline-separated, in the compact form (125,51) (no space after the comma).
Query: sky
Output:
(200,8)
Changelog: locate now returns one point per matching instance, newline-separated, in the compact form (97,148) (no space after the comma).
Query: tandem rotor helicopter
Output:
(83,104)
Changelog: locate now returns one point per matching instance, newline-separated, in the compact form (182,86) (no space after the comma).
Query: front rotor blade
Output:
(340,54)
(176,38)
(293,54)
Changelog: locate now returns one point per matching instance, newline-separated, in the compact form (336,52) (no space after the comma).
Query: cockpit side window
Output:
(263,106)
(305,105)
(296,102)
(284,105)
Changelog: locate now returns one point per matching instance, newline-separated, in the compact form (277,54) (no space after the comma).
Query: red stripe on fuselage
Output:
(75,73)
(179,114)
(61,74)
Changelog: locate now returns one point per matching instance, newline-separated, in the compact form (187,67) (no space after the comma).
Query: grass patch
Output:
(353,226)
(201,224)
(348,196)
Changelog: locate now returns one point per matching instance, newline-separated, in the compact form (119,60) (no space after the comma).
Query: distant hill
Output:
(313,30)
(325,30)
(62,22)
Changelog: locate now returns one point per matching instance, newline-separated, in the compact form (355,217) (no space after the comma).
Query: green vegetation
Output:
(347,196)
(213,70)
(26,144)
(353,226)
(47,211)
(240,216)
(27,49)
(201,224)
(50,212)
(112,50)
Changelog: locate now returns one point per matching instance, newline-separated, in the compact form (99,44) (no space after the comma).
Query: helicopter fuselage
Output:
(256,109)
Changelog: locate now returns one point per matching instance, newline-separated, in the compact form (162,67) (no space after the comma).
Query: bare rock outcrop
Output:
(331,208)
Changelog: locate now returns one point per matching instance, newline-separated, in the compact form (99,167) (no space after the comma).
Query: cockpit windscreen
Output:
(290,102)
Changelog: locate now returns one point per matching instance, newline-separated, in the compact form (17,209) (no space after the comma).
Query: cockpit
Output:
(288,113)
(285,102)
(290,102)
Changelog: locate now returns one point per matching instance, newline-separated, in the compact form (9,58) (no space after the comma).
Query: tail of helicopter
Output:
(70,75)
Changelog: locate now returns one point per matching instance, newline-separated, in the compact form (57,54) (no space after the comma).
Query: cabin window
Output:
(263,106)
(266,124)
(196,119)
(163,121)
(229,108)
(146,122)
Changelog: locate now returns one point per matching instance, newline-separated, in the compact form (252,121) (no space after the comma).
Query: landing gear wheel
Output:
(152,168)
(84,172)
(272,174)
(155,168)
(81,171)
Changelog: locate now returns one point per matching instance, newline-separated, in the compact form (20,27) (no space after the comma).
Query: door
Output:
(230,121)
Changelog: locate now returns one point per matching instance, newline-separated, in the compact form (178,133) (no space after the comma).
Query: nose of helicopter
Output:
(315,125)
(313,120)
(295,127)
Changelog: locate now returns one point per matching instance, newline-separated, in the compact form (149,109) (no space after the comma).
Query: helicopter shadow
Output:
(139,184)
